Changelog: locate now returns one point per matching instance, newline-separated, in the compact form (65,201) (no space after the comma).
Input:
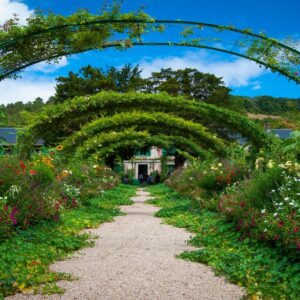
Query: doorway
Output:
(142,169)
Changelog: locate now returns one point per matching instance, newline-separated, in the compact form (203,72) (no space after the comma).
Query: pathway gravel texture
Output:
(134,259)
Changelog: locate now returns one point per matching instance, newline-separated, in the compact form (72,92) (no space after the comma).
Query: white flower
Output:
(286,198)
(275,214)
(263,211)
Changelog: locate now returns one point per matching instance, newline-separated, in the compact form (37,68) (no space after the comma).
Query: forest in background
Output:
(191,83)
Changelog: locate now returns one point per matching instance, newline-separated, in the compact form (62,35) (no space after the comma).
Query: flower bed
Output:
(40,189)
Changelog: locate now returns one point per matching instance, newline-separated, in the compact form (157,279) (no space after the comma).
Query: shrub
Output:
(267,206)
(36,190)
(204,181)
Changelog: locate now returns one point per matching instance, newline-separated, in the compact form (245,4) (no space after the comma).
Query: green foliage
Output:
(263,270)
(91,80)
(48,37)
(72,115)
(291,147)
(25,257)
(152,122)
(41,189)
(2,117)
(51,36)
(266,206)
(189,83)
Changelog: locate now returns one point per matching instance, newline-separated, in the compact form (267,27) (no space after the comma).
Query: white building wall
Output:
(153,162)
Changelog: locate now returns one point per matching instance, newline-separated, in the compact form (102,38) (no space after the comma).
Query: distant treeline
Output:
(189,83)
(265,104)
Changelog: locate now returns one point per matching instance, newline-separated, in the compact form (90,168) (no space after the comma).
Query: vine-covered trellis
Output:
(47,38)
(109,121)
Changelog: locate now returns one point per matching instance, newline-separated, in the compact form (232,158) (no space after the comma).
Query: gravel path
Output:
(134,259)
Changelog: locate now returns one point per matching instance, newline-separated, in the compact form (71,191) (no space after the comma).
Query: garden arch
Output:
(47,38)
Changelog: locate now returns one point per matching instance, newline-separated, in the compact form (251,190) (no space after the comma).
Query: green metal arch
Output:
(280,68)
(172,44)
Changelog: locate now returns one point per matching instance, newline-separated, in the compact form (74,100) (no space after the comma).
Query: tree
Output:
(3,117)
(190,83)
(92,80)
(20,114)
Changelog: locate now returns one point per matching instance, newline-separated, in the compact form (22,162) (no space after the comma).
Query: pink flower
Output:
(12,215)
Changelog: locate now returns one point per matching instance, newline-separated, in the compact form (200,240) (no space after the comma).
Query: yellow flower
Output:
(59,147)
(270,164)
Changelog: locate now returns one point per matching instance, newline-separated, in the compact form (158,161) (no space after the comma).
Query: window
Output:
(143,152)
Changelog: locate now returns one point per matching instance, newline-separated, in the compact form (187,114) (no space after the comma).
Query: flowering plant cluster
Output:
(31,191)
(267,206)
(205,180)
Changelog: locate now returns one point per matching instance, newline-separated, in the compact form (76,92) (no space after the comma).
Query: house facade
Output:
(150,161)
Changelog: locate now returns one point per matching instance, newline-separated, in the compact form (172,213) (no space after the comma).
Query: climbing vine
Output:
(101,146)
(49,37)
(56,122)
(155,122)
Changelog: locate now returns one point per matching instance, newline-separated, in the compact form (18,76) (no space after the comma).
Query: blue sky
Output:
(278,18)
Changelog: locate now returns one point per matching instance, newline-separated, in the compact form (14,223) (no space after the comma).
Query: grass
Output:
(263,270)
(25,258)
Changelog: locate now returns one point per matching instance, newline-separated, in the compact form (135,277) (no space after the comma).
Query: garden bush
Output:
(40,189)
(267,205)
(204,181)
(261,198)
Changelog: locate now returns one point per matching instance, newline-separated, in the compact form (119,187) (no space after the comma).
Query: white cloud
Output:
(257,86)
(26,89)
(235,73)
(10,7)
(48,68)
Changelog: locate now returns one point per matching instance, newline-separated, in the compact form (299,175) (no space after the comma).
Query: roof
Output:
(282,133)
(8,136)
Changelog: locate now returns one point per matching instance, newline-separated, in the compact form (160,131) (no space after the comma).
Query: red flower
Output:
(32,172)
(242,204)
(296,229)
(280,223)
(22,165)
